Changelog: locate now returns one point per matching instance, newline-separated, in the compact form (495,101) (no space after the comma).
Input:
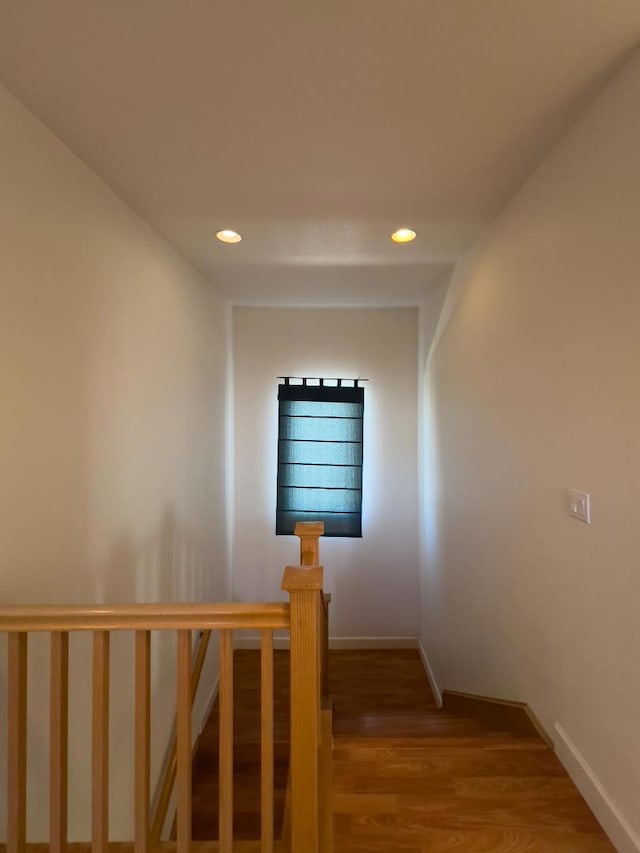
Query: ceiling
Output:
(314,127)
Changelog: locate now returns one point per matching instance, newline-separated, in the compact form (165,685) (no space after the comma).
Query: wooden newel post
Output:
(309,533)
(304,586)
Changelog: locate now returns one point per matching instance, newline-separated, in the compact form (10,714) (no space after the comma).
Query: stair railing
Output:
(302,616)
(101,621)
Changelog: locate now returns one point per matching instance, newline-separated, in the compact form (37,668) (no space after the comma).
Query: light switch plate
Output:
(580,505)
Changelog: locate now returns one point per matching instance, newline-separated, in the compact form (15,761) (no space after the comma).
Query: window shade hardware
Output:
(304,381)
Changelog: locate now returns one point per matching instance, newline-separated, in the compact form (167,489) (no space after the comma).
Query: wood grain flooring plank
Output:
(407,777)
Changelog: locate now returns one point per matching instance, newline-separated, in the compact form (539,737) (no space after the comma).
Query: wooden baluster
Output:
(183,741)
(142,740)
(304,586)
(162,805)
(59,740)
(17,745)
(266,684)
(225,809)
(100,744)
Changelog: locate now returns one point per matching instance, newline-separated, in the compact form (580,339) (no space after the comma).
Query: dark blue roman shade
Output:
(320,456)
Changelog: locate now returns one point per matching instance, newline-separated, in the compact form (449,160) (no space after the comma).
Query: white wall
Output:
(374,580)
(113,375)
(533,389)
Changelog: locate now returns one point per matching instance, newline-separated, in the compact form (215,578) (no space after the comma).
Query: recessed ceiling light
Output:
(228,236)
(403,235)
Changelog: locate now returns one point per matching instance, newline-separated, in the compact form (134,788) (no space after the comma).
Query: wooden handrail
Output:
(142,617)
(326,601)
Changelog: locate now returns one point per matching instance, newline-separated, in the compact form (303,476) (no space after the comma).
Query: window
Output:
(320,455)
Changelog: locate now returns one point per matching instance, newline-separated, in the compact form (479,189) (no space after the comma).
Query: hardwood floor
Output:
(408,778)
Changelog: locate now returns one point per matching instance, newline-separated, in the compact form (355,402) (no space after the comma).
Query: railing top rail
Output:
(142,617)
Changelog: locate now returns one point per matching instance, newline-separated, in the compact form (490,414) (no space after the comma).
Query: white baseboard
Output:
(253,642)
(614,823)
(373,642)
(432,679)
(213,695)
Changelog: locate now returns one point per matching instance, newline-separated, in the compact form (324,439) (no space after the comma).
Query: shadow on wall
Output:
(171,565)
